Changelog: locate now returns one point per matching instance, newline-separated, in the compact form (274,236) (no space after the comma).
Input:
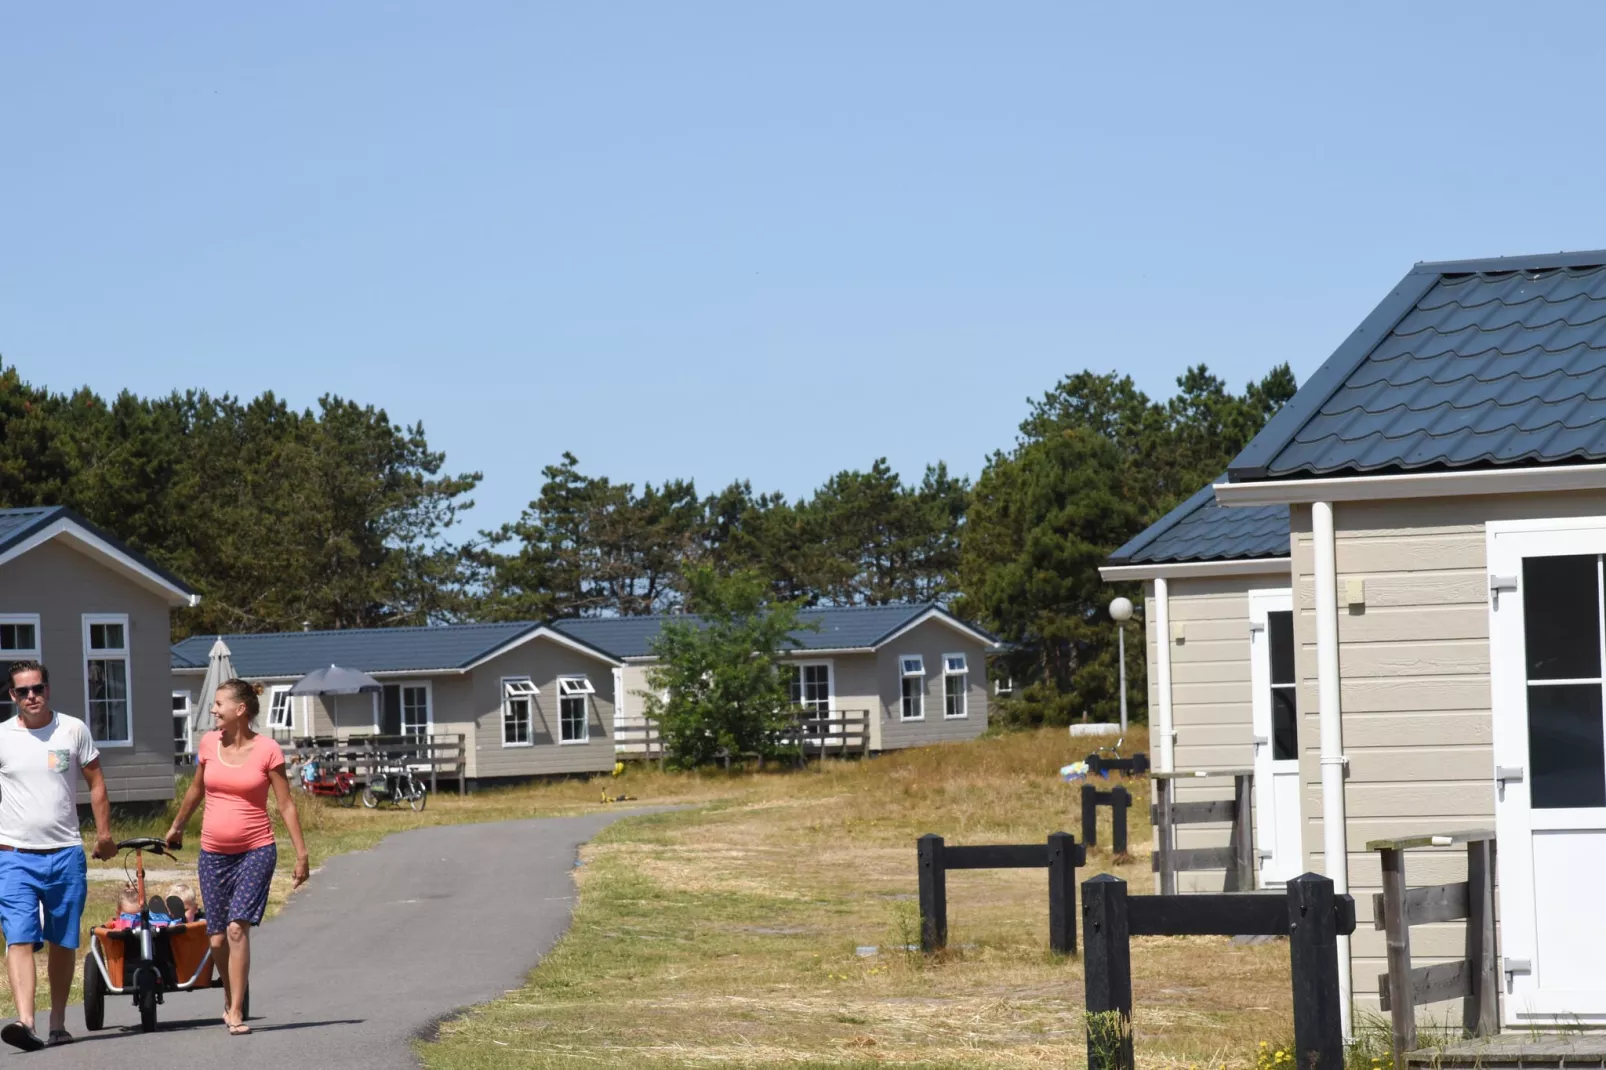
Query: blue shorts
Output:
(42,896)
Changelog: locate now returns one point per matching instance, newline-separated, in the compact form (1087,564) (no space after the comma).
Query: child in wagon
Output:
(186,898)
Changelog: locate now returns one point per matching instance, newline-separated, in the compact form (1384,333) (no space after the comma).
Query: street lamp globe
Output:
(1121,610)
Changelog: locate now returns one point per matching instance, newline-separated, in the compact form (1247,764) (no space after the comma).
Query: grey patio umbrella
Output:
(336,681)
(219,667)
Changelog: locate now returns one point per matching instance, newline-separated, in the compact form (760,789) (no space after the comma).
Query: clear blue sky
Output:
(746,239)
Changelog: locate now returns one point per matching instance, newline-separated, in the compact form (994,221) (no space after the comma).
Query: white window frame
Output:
(1003,685)
(273,691)
(576,687)
(401,724)
(32,653)
(189,716)
(830,681)
(950,673)
(125,655)
(521,689)
(905,674)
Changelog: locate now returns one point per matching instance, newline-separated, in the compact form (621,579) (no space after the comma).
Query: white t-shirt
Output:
(40,770)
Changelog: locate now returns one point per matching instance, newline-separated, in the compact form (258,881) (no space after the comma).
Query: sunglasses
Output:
(31,689)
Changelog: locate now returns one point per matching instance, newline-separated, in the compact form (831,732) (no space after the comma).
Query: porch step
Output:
(1583,1050)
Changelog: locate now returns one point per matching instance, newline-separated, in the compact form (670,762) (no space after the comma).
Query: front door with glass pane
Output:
(1276,735)
(1547,658)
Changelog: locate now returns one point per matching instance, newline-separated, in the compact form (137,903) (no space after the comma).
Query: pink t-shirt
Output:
(236,817)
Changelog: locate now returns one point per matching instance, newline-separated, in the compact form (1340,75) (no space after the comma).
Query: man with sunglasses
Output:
(43,879)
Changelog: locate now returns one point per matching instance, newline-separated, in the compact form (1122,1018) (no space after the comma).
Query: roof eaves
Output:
(1254,462)
(1532,262)
(933,609)
(1144,538)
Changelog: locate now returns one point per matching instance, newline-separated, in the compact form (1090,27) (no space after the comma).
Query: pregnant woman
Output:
(234,766)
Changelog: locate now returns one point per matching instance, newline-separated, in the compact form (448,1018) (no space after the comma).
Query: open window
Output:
(281,714)
(912,669)
(574,721)
(955,685)
(518,706)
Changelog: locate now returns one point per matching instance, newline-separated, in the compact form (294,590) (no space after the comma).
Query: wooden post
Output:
(1243,833)
(1165,832)
(462,766)
(1107,964)
(434,765)
(1090,816)
(1062,893)
(933,894)
(1397,933)
(1313,960)
(1121,801)
(1481,1011)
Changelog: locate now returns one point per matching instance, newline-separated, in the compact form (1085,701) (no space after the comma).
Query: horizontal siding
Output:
(1414,670)
(931,641)
(1211,696)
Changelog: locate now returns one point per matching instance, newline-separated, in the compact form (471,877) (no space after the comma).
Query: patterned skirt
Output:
(235,887)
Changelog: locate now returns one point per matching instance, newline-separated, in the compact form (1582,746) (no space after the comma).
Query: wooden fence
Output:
(1476,978)
(1237,858)
(1310,915)
(1119,800)
(1060,856)
(438,754)
(838,733)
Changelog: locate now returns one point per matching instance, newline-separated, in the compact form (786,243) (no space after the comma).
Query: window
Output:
(913,670)
(1004,685)
(573,724)
(404,710)
(281,715)
(1284,722)
(955,685)
(106,679)
(1562,611)
(811,688)
(19,641)
(518,700)
(181,722)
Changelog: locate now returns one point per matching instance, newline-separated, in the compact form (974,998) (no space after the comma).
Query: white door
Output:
(1547,660)
(1276,732)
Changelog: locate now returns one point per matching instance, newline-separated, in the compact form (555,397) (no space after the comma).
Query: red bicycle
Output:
(319,776)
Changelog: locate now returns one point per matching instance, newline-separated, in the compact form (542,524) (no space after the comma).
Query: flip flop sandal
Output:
(239,1029)
(20,1036)
(58,1037)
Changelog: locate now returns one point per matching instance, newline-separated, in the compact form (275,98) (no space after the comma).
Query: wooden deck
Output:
(1509,1051)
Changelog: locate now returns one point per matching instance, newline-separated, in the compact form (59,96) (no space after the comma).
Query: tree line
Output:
(336,517)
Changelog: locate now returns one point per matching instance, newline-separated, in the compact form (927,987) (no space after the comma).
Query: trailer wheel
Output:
(94,996)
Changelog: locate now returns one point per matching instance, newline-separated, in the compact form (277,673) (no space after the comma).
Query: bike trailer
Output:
(182,952)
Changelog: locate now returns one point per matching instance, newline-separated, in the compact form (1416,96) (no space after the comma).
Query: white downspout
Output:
(1162,642)
(1335,845)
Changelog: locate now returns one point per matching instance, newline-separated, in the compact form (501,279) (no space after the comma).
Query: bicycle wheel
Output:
(369,799)
(147,1007)
(417,798)
(94,996)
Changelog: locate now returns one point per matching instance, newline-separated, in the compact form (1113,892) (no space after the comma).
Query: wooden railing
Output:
(1237,858)
(439,754)
(1060,856)
(1474,979)
(838,733)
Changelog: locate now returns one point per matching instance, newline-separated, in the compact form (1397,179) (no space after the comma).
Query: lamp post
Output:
(1121,612)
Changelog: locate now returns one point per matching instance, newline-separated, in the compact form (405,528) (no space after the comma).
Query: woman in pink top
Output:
(234,766)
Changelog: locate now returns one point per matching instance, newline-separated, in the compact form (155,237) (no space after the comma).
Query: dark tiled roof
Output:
(17,525)
(284,654)
(1201,530)
(840,628)
(1466,364)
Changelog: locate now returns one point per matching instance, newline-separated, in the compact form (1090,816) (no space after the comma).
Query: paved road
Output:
(376,949)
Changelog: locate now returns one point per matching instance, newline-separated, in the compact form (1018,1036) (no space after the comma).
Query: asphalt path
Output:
(378,948)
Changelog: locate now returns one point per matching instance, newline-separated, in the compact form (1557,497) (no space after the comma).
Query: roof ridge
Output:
(560,621)
(387,629)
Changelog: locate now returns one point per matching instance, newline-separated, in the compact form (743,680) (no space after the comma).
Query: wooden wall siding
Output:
(1414,672)
(931,640)
(543,661)
(1210,696)
(60,585)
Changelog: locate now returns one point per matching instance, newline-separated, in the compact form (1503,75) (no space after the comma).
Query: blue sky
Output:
(769,241)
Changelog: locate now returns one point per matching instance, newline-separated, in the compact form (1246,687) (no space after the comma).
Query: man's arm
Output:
(101,807)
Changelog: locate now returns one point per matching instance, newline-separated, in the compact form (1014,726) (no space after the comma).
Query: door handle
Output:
(1261,741)
(1512,774)
(1518,966)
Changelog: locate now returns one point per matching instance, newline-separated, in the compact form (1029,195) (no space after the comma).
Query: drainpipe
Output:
(1335,845)
(1162,636)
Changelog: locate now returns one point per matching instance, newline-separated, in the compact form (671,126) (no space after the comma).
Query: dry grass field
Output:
(771,927)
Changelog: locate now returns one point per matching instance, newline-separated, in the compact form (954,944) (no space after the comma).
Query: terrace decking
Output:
(1516,1051)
